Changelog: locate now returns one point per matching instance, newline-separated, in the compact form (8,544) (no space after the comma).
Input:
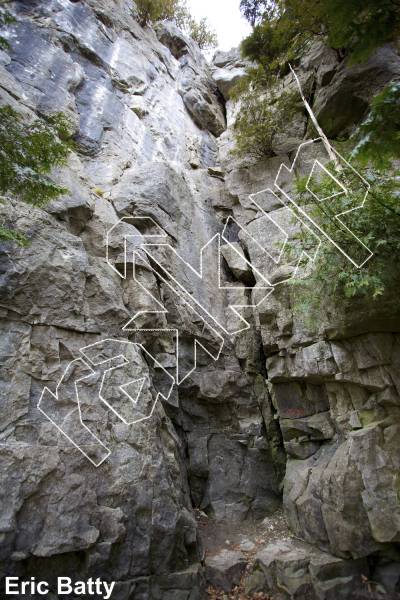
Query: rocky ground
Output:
(274,469)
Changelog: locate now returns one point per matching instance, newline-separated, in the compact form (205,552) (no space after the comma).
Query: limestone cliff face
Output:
(332,374)
(153,141)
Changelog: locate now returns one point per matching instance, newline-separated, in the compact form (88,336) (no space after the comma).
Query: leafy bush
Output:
(275,41)
(379,136)
(254,10)
(281,31)
(265,112)
(151,11)
(28,152)
(6,18)
(266,109)
(201,33)
(377,224)
(282,26)
(359,26)
(10,235)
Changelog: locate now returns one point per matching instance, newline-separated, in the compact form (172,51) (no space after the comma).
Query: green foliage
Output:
(266,109)
(6,18)
(360,26)
(254,10)
(278,39)
(263,116)
(357,26)
(201,33)
(282,29)
(281,33)
(379,136)
(151,11)
(10,235)
(377,224)
(28,152)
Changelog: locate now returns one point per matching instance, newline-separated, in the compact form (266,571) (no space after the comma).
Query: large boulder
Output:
(291,569)
(229,69)
(225,569)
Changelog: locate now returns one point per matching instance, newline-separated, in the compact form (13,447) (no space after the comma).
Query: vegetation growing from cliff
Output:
(378,136)
(151,11)
(6,18)
(282,30)
(201,33)
(281,27)
(265,111)
(376,224)
(28,152)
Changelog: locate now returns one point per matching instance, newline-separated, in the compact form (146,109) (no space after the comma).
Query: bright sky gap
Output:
(224,16)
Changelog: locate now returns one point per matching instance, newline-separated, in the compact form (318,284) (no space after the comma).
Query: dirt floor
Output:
(246,537)
(241,536)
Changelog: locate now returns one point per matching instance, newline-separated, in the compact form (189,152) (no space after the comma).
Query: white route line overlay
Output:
(184,295)
(96,439)
(163,310)
(345,191)
(200,275)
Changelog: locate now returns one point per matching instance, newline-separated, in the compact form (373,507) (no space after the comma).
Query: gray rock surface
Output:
(224,570)
(229,69)
(237,263)
(318,400)
(344,101)
(195,85)
(131,519)
(293,569)
(332,376)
